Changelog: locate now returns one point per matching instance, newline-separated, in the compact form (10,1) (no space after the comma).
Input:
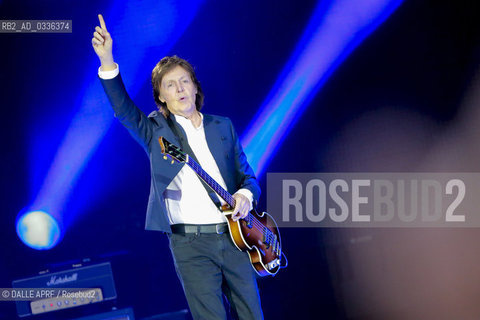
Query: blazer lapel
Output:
(215,142)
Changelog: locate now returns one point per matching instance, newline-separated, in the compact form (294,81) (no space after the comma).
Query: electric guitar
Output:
(257,234)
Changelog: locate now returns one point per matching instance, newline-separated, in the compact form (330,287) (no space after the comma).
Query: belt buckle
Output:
(217,226)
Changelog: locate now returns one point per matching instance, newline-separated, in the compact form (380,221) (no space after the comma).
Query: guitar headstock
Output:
(169,149)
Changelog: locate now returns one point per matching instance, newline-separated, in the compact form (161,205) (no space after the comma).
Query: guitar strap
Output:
(180,134)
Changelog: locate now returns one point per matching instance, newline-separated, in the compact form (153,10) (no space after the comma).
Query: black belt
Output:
(218,228)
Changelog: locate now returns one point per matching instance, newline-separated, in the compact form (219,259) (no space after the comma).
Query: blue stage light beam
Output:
(143,32)
(335,29)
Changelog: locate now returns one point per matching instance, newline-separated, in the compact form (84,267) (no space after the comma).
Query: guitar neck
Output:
(224,194)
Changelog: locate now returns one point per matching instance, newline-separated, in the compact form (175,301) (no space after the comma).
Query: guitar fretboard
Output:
(224,194)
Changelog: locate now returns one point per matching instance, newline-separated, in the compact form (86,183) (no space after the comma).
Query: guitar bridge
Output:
(273,264)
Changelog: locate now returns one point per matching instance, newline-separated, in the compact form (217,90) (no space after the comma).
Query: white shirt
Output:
(191,203)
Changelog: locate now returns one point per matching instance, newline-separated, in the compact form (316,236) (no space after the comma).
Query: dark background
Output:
(419,64)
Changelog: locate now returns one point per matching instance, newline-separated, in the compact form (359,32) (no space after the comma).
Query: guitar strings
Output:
(267,233)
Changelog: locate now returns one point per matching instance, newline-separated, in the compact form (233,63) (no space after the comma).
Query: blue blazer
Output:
(221,138)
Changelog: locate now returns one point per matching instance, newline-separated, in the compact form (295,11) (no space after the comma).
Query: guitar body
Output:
(262,246)
(257,234)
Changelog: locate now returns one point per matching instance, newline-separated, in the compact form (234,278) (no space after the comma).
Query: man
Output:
(207,262)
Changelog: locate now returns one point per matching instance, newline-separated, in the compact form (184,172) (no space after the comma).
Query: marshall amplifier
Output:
(72,288)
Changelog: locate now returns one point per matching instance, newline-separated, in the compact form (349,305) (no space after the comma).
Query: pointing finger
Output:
(102,22)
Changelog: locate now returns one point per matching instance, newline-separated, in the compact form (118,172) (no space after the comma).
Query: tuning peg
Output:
(165,157)
(172,161)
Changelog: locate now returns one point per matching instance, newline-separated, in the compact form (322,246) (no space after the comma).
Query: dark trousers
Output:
(209,265)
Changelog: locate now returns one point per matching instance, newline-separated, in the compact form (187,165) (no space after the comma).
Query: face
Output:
(178,91)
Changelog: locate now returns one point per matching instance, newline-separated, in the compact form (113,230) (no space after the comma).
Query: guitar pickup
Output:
(266,241)
(248,221)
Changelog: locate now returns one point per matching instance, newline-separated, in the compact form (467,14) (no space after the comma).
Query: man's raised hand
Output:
(102,44)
